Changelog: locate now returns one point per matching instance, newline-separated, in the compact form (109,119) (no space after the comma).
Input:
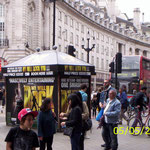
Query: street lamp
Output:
(88,49)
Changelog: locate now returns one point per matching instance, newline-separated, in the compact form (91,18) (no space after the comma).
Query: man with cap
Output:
(22,137)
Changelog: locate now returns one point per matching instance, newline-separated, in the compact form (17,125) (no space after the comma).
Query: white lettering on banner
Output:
(74,85)
(78,73)
(32,80)
(49,73)
(34,73)
(19,74)
(27,74)
(18,80)
(41,73)
(64,85)
(73,82)
(84,73)
(11,74)
(14,69)
(41,80)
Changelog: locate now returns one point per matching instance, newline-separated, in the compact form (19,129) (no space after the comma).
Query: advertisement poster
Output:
(29,92)
(70,85)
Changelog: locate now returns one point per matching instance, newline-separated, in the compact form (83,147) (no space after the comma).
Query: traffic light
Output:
(111,65)
(119,62)
(71,50)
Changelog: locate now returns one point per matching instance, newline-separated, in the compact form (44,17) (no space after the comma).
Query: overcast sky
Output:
(127,6)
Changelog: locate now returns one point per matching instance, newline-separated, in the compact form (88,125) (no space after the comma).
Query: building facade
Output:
(30,24)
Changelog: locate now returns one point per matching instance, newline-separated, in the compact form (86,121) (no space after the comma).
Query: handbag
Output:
(87,124)
(101,122)
(68,131)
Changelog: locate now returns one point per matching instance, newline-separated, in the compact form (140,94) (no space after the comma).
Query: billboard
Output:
(31,91)
(70,85)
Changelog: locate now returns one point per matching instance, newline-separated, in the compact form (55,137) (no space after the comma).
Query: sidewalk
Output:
(61,142)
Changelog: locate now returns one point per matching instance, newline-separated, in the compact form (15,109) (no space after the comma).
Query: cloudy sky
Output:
(127,6)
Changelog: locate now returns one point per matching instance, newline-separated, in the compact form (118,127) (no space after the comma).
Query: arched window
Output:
(137,51)
(130,51)
(145,53)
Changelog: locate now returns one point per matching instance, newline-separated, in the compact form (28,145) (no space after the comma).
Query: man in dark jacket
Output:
(139,103)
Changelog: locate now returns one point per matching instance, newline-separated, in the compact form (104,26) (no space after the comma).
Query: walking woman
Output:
(46,125)
(74,120)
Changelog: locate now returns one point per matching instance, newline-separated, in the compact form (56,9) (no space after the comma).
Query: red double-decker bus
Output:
(135,73)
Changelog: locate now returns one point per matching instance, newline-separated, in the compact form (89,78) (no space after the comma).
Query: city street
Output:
(61,142)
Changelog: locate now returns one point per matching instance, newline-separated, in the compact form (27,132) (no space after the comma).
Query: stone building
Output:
(28,24)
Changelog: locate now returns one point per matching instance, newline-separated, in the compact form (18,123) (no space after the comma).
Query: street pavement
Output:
(61,142)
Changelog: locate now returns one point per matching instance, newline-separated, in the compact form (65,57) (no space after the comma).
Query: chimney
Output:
(142,17)
(136,18)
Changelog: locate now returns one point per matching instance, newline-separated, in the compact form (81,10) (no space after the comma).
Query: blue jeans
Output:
(75,140)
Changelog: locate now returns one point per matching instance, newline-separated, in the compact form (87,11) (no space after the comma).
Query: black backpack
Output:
(132,101)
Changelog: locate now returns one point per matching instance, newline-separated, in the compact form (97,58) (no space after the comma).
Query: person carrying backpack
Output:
(139,103)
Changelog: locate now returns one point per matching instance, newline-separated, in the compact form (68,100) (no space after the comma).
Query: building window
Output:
(137,51)
(102,37)
(71,22)
(93,33)
(97,36)
(130,51)
(77,39)
(59,48)
(82,28)
(1,26)
(65,34)
(97,62)
(82,56)
(71,38)
(59,15)
(107,51)
(77,54)
(66,49)
(59,32)
(1,10)
(77,25)
(97,48)
(102,50)
(107,39)
(102,63)
(112,53)
(145,53)
(107,65)
(66,19)
(92,61)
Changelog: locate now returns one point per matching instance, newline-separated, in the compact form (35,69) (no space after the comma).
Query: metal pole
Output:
(87,56)
(54,15)
(116,80)
(88,50)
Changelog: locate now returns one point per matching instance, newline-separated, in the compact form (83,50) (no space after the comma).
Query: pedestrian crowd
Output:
(75,122)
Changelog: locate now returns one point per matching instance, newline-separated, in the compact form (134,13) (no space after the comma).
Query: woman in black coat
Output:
(46,125)
(74,120)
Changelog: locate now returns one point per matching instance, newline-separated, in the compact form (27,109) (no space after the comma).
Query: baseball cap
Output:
(25,112)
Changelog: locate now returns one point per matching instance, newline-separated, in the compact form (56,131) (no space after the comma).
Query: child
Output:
(22,137)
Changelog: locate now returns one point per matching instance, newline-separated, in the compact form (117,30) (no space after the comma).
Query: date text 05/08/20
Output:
(131,130)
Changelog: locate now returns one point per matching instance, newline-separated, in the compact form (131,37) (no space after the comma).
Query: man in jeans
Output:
(111,114)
